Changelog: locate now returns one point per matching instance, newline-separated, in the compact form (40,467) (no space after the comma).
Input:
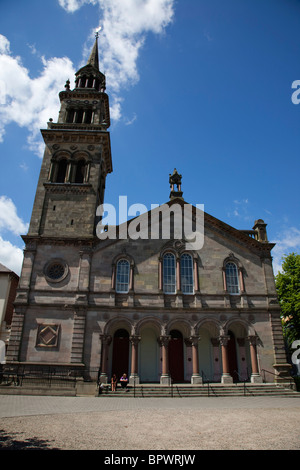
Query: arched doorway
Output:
(176,367)
(232,357)
(120,357)
(148,356)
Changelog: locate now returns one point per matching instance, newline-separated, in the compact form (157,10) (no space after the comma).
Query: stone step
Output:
(201,391)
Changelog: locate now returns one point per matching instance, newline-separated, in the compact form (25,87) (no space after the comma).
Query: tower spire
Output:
(94,56)
(90,76)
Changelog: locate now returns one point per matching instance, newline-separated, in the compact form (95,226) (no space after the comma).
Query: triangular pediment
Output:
(144,226)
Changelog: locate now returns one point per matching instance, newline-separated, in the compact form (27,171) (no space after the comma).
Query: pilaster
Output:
(78,337)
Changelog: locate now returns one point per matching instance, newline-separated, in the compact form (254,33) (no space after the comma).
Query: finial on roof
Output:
(175,179)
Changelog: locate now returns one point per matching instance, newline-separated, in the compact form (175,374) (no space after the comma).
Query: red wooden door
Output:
(120,357)
(176,367)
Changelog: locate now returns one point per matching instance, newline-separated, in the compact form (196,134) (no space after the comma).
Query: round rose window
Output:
(56,270)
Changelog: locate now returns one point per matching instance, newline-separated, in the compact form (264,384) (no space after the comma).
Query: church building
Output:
(155,308)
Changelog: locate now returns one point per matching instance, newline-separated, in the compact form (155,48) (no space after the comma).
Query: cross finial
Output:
(97,32)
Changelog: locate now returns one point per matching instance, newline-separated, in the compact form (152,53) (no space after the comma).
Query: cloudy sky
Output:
(206,86)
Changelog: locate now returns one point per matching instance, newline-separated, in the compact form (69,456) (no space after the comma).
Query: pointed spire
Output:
(89,76)
(94,56)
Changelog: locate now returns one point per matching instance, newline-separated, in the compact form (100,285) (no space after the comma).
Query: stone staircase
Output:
(205,390)
(62,388)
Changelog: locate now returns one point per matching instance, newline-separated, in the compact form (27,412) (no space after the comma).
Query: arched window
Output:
(61,171)
(80,170)
(232,278)
(187,274)
(122,276)
(169,273)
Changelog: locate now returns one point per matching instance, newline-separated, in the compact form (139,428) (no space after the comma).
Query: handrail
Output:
(243,381)
(209,387)
(171,384)
(291,380)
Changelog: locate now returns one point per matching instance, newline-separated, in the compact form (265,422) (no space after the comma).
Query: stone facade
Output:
(104,305)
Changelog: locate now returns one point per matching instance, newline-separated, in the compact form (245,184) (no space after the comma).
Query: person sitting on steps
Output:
(124,381)
(114,383)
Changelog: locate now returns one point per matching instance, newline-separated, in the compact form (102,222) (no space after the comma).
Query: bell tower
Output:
(76,160)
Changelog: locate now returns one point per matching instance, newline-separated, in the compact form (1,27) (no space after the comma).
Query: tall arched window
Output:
(232,278)
(169,273)
(61,171)
(80,171)
(187,274)
(122,276)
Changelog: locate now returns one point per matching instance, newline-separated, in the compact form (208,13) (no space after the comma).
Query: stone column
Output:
(226,377)
(84,273)
(165,376)
(160,275)
(105,340)
(255,376)
(134,377)
(196,278)
(196,378)
(178,277)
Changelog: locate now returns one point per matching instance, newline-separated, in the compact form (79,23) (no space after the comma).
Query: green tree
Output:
(288,290)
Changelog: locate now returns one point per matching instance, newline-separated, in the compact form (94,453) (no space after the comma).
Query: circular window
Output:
(56,270)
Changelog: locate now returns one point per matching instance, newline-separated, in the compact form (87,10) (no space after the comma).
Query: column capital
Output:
(253,340)
(224,340)
(106,339)
(135,339)
(194,340)
(164,340)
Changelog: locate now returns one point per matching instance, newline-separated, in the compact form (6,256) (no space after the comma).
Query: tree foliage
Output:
(288,290)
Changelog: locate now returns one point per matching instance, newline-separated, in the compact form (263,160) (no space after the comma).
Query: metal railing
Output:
(44,376)
(290,380)
(243,381)
(206,380)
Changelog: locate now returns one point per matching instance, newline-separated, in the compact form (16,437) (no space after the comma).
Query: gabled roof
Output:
(4,269)
(242,237)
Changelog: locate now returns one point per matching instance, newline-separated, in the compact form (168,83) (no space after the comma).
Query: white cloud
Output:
(4,45)
(288,242)
(30,102)
(11,256)
(73,5)
(9,219)
(131,121)
(124,25)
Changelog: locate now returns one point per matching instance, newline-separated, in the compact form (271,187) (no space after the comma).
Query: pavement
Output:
(151,424)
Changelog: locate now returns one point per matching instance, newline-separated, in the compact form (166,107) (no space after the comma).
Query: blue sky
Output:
(204,86)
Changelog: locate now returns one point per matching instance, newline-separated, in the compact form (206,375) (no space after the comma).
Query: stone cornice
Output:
(68,188)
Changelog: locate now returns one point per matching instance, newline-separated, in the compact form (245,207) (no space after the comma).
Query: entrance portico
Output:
(150,352)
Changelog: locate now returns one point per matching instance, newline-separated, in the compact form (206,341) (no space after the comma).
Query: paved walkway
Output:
(22,405)
(116,423)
